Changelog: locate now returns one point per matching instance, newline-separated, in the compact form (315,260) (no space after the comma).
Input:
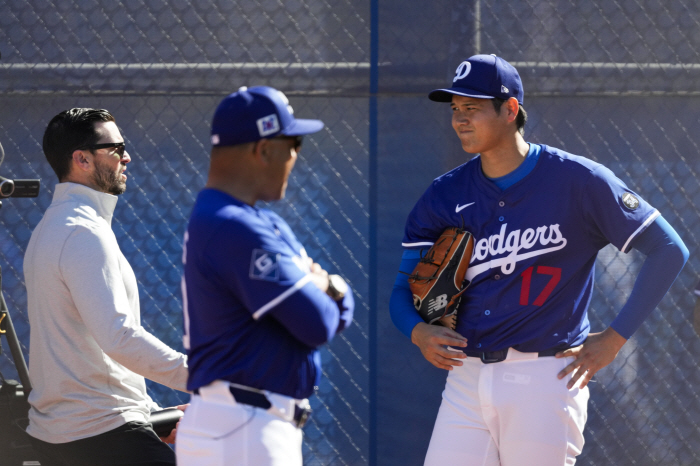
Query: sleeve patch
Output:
(630,201)
(264,265)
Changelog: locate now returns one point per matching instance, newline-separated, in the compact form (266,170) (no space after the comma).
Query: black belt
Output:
(259,400)
(489,357)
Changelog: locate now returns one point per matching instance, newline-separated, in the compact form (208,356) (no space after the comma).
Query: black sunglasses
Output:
(108,145)
(297,140)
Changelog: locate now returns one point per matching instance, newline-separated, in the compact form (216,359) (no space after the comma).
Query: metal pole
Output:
(8,330)
(477,27)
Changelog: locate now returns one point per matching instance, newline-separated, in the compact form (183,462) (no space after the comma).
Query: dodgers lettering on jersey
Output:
(535,247)
(251,313)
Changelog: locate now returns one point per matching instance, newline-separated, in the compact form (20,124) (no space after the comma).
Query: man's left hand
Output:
(599,350)
(170,439)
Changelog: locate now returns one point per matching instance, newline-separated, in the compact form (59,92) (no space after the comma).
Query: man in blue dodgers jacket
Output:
(256,307)
(521,355)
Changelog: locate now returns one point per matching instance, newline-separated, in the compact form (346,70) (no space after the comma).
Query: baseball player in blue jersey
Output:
(521,355)
(255,306)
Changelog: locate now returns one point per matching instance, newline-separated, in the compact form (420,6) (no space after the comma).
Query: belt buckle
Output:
(499,356)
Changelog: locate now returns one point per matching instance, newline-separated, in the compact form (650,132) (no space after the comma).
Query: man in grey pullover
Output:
(88,352)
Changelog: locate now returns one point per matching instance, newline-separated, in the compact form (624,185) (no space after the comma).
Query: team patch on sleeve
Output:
(264,265)
(630,201)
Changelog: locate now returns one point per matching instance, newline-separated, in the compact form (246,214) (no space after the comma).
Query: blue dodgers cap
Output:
(255,113)
(483,77)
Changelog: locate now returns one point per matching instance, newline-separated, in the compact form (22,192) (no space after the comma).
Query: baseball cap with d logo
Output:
(483,77)
(255,113)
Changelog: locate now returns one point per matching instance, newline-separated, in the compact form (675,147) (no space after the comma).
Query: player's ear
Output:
(81,160)
(512,108)
(261,150)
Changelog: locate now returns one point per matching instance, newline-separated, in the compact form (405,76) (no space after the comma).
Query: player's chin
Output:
(118,188)
(471,149)
(469,145)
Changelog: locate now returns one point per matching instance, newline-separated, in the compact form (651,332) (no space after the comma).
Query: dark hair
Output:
(520,119)
(68,131)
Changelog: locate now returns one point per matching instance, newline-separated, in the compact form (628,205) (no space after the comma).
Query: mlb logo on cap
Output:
(483,77)
(257,113)
(268,125)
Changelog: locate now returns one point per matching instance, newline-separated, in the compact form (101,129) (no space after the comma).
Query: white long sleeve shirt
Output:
(88,352)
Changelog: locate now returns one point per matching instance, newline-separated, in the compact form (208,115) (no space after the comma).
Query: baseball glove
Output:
(438,281)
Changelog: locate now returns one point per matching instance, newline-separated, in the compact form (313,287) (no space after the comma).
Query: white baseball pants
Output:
(511,413)
(217,431)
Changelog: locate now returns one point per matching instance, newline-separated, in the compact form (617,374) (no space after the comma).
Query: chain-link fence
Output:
(615,81)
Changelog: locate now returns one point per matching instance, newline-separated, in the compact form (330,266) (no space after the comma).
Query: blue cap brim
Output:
(300,127)
(445,95)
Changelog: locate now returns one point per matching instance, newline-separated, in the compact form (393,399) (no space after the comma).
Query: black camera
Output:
(17,188)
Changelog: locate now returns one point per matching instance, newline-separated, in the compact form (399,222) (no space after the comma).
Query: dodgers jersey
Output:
(251,313)
(535,245)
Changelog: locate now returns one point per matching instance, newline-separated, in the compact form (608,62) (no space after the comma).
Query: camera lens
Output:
(7,187)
